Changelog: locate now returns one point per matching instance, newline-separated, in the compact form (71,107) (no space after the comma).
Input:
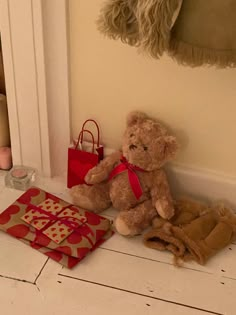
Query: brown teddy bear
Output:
(132,180)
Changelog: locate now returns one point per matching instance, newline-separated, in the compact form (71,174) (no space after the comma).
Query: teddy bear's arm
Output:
(161,195)
(101,172)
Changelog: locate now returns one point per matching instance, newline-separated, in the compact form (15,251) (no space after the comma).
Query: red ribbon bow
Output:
(133,177)
(66,220)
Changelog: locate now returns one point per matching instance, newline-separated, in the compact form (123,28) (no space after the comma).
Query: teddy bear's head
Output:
(147,143)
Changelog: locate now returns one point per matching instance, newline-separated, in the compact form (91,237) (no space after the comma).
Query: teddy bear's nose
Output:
(132,147)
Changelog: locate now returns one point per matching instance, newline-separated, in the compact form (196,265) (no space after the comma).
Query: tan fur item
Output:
(194,32)
(141,23)
(146,145)
(196,232)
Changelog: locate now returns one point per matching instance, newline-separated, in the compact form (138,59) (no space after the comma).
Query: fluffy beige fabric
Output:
(194,32)
(205,33)
(118,21)
(196,232)
(142,23)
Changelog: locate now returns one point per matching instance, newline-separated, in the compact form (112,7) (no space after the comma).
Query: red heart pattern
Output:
(55,255)
(27,197)
(19,231)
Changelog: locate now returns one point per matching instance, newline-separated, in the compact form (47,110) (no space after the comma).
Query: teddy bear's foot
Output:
(123,228)
(93,198)
(133,221)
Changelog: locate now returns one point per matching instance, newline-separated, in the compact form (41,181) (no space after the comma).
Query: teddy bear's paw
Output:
(94,177)
(123,229)
(164,209)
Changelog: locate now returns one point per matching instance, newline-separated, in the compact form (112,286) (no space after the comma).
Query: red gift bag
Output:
(81,161)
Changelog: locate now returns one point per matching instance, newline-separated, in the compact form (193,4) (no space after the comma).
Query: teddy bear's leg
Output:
(165,208)
(161,197)
(133,221)
(94,198)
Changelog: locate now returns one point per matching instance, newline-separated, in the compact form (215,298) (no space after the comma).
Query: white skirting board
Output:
(201,183)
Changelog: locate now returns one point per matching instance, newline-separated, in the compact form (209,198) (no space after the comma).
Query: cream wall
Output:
(108,79)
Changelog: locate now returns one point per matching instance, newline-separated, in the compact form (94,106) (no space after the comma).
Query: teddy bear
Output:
(132,180)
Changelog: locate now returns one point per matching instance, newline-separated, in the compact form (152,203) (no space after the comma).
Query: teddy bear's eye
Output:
(145,148)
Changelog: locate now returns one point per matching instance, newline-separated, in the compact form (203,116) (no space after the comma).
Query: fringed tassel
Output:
(155,19)
(178,261)
(189,55)
(118,21)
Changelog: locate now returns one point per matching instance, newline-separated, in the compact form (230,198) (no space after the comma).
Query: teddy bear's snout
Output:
(132,147)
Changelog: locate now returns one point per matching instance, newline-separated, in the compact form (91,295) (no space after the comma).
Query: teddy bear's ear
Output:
(171,147)
(135,117)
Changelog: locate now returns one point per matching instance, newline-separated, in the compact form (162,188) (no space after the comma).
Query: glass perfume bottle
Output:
(20,177)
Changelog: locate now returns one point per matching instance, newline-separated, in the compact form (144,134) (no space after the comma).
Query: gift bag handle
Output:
(80,138)
(98,130)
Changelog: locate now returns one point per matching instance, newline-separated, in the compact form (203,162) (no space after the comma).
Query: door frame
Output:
(34,35)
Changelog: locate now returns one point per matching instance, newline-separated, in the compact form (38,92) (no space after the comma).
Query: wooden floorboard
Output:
(161,281)
(121,277)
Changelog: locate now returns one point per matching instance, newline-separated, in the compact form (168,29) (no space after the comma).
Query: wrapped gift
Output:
(56,228)
(54,220)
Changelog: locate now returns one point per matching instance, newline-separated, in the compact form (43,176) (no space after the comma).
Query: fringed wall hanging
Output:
(193,32)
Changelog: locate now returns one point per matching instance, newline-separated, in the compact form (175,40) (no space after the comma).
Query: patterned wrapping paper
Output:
(57,231)
(87,237)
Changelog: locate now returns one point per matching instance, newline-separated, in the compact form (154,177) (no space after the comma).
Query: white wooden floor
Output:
(121,277)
